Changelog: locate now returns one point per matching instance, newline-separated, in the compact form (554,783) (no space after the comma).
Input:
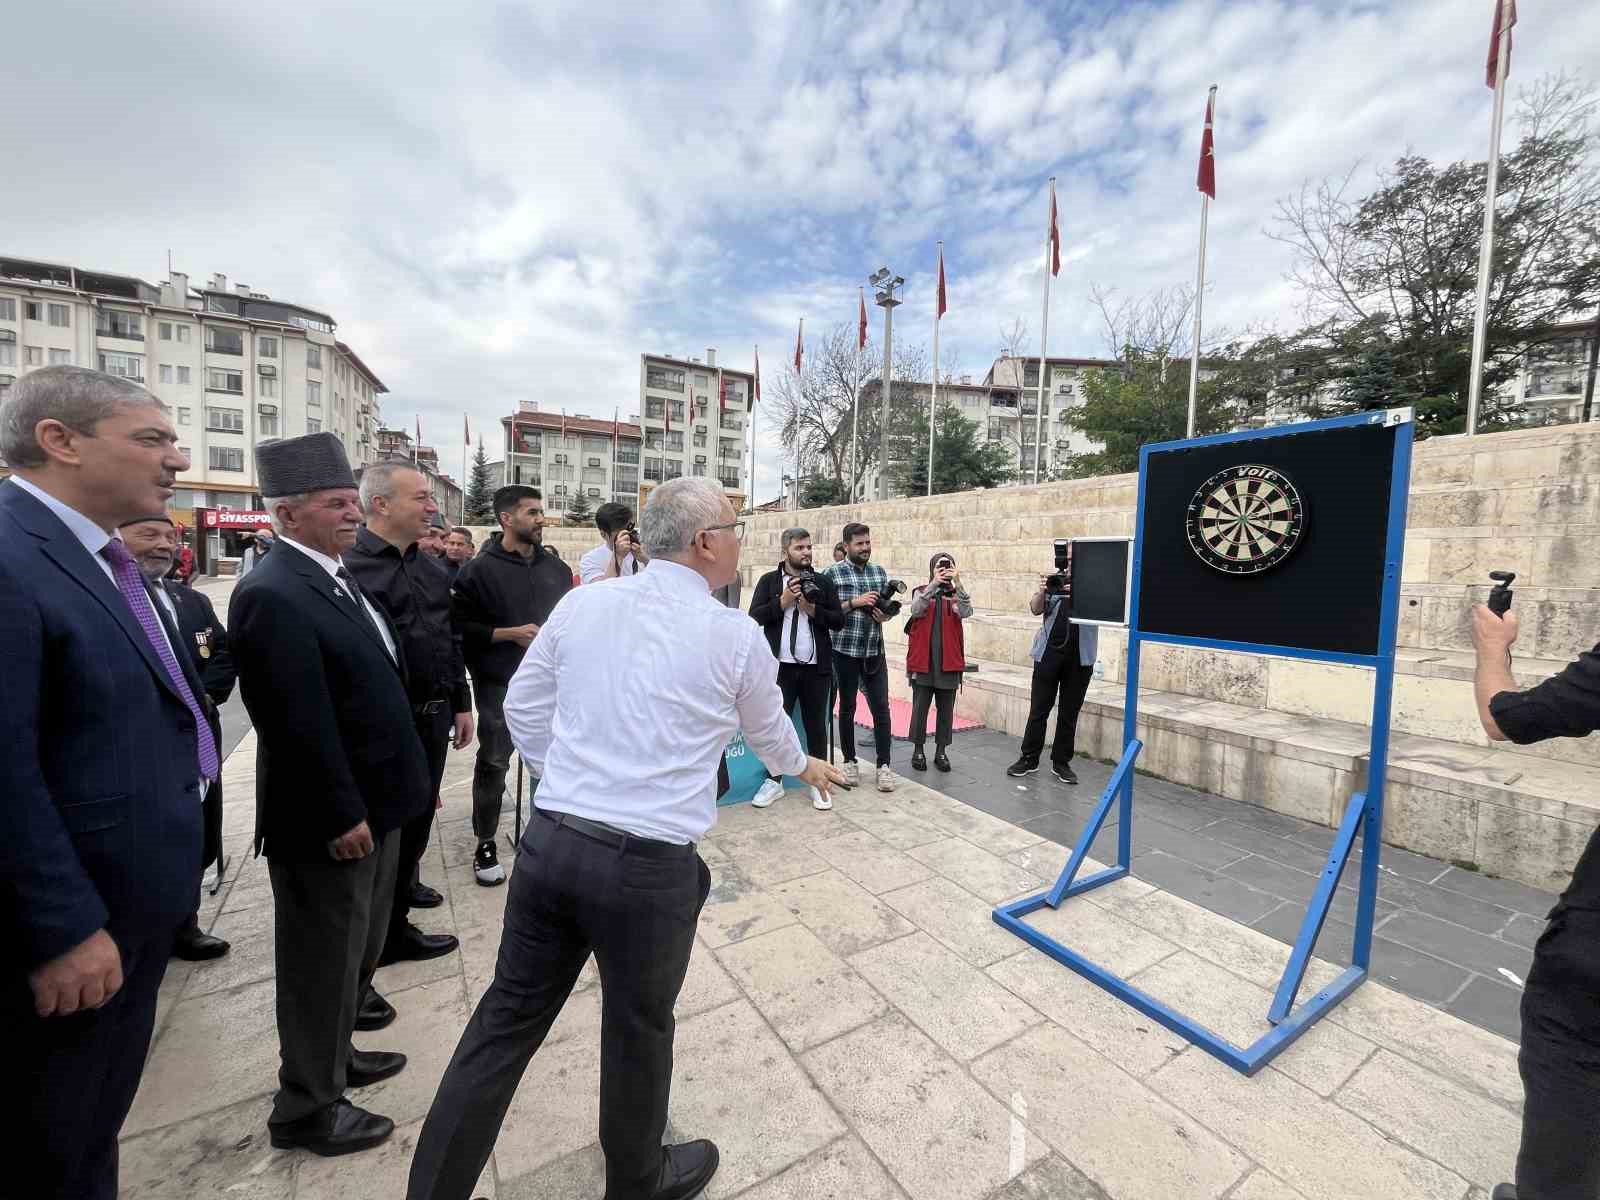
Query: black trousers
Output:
(944,700)
(331,919)
(1560,1063)
(870,675)
(1058,677)
(75,1079)
(808,687)
(435,731)
(571,895)
(494,759)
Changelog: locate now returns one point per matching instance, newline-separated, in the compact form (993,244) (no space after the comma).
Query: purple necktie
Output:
(131,584)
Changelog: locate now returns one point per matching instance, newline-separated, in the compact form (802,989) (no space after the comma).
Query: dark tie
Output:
(131,584)
(794,633)
(347,581)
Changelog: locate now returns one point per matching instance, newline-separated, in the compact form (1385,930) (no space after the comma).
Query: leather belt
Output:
(617,839)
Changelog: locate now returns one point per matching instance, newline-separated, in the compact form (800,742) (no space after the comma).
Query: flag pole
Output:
(1486,246)
(933,396)
(755,396)
(1200,273)
(1044,338)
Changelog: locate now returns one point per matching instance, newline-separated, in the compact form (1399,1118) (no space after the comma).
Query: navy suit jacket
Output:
(100,820)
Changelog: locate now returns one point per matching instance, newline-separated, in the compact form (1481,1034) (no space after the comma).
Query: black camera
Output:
(886,605)
(810,589)
(1059,583)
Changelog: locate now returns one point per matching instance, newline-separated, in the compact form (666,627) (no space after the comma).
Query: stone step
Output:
(1504,812)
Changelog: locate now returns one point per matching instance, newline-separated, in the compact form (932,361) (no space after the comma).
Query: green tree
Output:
(578,510)
(820,491)
(480,490)
(1146,399)
(962,460)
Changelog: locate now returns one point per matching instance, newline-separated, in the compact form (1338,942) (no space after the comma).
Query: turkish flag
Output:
(943,307)
(1494,40)
(466,430)
(1055,235)
(799,347)
(861,325)
(1206,180)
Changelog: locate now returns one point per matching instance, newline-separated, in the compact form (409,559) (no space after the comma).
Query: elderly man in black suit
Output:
(153,542)
(104,761)
(339,770)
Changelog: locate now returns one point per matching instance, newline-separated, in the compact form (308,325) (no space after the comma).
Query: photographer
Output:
(797,608)
(1560,1056)
(1063,664)
(935,656)
(858,652)
(620,552)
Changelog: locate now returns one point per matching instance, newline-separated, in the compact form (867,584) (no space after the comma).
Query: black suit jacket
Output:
(336,741)
(206,640)
(99,765)
(766,609)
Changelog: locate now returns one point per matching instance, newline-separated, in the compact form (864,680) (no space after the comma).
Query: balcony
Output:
(628,456)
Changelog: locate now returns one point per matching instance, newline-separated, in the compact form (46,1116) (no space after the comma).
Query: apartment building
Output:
(695,416)
(235,366)
(564,455)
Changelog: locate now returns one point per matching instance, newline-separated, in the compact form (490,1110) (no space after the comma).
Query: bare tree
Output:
(1014,339)
(1157,325)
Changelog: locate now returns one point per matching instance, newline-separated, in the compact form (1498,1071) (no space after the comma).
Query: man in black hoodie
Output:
(500,599)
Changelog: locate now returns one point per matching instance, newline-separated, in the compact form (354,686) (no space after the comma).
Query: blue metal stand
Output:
(1364,813)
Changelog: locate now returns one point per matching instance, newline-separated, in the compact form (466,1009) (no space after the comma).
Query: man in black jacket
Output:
(153,542)
(501,598)
(797,608)
(414,591)
(339,771)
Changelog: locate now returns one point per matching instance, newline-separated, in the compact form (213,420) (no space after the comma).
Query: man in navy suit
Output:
(106,757)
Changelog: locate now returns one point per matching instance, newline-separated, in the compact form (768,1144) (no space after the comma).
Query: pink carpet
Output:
(900,717)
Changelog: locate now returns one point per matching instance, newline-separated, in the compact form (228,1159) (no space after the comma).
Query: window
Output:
(313,425)
(183,333)
(674,468)
(700,466)
(700,380)
(115,323)
(8,348)
(183,374)
(663,379)
(227,458)
(224,341)
(31,356)
(314,357)
(267,347)
(700,437)
(269,423)
(61,358)
(8,309)
(61,316)
(225,420)
(675,440)
(652,469)
(225,381)
(267,387)
(166,372)
(183,415)
(313,393)
(33,310)
(128,366)
(165,330)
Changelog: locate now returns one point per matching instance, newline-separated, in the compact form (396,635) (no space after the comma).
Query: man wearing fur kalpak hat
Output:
(339,769)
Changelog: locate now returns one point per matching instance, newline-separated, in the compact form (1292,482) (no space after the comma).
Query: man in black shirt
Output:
(457,550)
(501,598)
(1560,1056)
(1063,665)
(414,591)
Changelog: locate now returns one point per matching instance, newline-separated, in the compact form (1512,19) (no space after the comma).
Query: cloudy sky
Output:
(502,202)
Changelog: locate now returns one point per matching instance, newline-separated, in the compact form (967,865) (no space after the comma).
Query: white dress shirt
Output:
(592,566)
(796,643)
(333,566)
(623,704)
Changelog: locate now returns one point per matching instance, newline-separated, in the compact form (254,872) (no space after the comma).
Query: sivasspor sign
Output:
(214,518)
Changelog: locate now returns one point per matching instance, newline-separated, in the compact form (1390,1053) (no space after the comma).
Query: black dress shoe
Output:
(193,945)
(940,761)
(412,945)
(341,1128)
(375,1012)
(372,1066)
(919,760)
(685,1170)
(423,896)
(1064,773)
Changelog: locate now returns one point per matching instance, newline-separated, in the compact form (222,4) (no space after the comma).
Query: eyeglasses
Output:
(736,526)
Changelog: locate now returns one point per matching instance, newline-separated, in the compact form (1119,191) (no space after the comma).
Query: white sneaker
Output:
(852,773)
(770,791)
(886,779)
(820,801)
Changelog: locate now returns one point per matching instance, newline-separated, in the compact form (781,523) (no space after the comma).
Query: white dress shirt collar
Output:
(331,565)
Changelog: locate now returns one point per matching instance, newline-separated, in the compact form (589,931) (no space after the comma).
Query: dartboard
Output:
(1246,519)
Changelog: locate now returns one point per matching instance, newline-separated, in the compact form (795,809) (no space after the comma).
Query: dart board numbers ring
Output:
(1246,519)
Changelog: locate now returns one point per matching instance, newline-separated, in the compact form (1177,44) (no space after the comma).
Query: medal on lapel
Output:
(202,640)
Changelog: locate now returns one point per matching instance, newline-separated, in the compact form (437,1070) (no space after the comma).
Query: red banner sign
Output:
(216,518)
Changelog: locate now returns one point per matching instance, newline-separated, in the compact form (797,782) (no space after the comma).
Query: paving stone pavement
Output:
(854,1025)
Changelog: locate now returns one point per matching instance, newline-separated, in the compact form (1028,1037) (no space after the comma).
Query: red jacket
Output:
(918,651)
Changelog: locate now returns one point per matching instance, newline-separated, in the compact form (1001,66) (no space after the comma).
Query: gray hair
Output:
(794,535)
(378,479)
(676,511)
(76,396)
(272,503)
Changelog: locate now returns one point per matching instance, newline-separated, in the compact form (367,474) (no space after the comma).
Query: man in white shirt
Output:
(620,553)
(607,864)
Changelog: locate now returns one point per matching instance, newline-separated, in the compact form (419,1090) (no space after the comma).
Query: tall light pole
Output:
(884,286)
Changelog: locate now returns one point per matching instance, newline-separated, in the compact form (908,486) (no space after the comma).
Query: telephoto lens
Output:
(889,607)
